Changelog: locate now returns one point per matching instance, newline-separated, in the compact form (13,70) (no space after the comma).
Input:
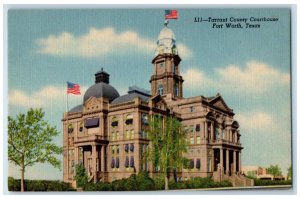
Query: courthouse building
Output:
(106,133)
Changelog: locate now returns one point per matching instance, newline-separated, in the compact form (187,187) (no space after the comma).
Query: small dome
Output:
(101,89)
(166,33)
(166,42)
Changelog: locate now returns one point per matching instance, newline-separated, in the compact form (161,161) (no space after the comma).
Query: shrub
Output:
(97,187)
(159,183)
(258,182)
(130,183)
(38,185)
(118,185)
(144,182)
(81,176)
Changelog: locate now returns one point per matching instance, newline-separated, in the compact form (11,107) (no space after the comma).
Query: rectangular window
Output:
(92,123)
(198,140)
(132,134)
(117,136)
(127,135)
(113,136)
(192,140)
(114,124)
(197,127)
(191,128)
(191,109)
(129,121)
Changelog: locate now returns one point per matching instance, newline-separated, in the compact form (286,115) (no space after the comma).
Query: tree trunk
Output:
(166,183)
(22,175)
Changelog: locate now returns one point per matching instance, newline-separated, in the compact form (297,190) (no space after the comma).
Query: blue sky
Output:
(250,68)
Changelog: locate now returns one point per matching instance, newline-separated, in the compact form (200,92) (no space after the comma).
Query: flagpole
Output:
(67,131)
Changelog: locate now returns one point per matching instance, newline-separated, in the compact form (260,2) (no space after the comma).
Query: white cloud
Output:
(256,120)
(45,97)
(99,42)
(194,78)
(256,77)
(184,51)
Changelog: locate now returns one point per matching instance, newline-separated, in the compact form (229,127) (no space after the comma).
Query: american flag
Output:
(171,14)
(73,88)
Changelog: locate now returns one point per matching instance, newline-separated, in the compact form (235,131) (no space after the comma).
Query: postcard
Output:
(149,99)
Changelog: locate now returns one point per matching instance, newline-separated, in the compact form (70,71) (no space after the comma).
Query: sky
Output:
(250,68)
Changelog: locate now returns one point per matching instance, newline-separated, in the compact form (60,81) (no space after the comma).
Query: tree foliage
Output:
(289,172)
(81,176)
(168,144)
(274,170)
(30,141)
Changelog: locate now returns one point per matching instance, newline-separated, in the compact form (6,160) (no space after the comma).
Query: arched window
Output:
(160,90)
(176,90)
(174,69)
(129,119)
(114,122)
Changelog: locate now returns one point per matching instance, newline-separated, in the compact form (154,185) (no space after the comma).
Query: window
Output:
(161,64)
(197,127)
(131,147)
(185,129)
(198,139)
(129,119)
(160,90)
(113,162)
(192,164)
(118,149)
(192,109)
(117,135)
(191,140)
(92,123)
(127,135)
(176,91)
(191,128)
(131,161)
(70,128)
(80,127)
(113,136)
(126,148)
(114,122)
(144,134)
(117,162)
(144,119)
(113,149)
(132,134)
(127,162)
(174,69)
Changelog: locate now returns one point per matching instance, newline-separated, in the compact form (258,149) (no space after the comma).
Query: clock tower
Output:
(166,79)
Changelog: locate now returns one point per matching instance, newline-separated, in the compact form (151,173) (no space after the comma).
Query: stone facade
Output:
(107,132)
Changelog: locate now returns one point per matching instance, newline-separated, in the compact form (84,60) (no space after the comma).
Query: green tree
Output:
(81,176)
(168,144)
(274,170)
(289,172)
(30,141)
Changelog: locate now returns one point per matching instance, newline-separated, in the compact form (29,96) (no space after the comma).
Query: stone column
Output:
(234,162)
(212,131)
(221,160)
(205,131)
(213,161)
(227,161)
(226,134)
(240,164)
(102,158)
(76,155)
(94,161)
